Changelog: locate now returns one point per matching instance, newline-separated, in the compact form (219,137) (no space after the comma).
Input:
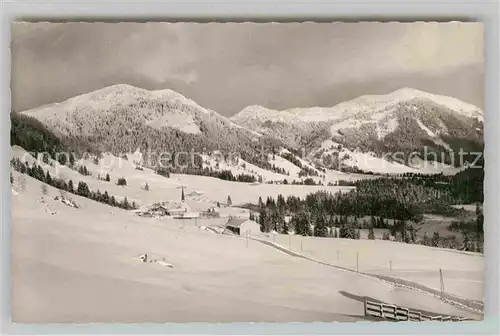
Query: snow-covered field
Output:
(201,192)
(81,265)
(463,272)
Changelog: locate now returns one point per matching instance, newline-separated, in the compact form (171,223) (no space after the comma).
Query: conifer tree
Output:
(320,229)
(48,178)
(105,197)
(263,220)
(436,239)
(425,239)
(371,233)
(125,204)
(467,245)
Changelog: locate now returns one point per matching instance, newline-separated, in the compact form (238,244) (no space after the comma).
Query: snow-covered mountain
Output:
(404,120)
(255,114)
(123,118)
(161,108)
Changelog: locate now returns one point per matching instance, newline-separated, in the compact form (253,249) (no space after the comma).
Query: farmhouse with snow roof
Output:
(242,226)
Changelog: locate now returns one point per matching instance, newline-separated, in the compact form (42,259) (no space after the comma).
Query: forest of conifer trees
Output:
(397,204)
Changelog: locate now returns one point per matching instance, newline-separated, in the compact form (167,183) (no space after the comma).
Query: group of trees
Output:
(35,138)
(272,215)
(83,170)
(82,189)
(121,181)
(472,230)
(342,183)
(465,187)
(226,175)
(163,172)
(397,204)
(308,171)
(107,178)
(292,158)
(307,181)
(279,170)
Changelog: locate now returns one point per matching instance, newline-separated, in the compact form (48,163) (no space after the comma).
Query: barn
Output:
(243,226)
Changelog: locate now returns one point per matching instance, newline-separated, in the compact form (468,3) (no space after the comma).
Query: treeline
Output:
(194,166)
(271,217)
(122,131)
(82,189)
(292,158)
(279,170)
(33,136)
(307,171)
(391,203)
(305,218)
(465,187)
(471,230)
(342,183)
(226,175)
(307,181)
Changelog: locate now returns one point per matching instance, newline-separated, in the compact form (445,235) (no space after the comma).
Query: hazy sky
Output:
(226,67)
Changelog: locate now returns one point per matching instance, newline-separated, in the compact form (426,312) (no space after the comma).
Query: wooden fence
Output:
(396,313)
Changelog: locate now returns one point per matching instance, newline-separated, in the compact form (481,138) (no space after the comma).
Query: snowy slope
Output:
(83,266)
(367,104)
(160,108)
(406,119)
(369,162)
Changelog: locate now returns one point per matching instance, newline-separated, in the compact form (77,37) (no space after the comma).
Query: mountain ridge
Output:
(122,118)
(360,104)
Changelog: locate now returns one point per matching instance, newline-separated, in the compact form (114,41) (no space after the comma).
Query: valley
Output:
(312,181)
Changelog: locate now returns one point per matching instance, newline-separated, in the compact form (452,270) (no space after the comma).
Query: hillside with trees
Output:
(397,204)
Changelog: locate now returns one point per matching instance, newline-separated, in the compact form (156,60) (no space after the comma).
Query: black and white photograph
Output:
(247,172)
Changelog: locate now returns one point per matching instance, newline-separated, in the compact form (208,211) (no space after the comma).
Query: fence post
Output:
(441,282)
(357,262)
(301,246)
(337,255)
(247,237)
(390,265)
(290,242)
